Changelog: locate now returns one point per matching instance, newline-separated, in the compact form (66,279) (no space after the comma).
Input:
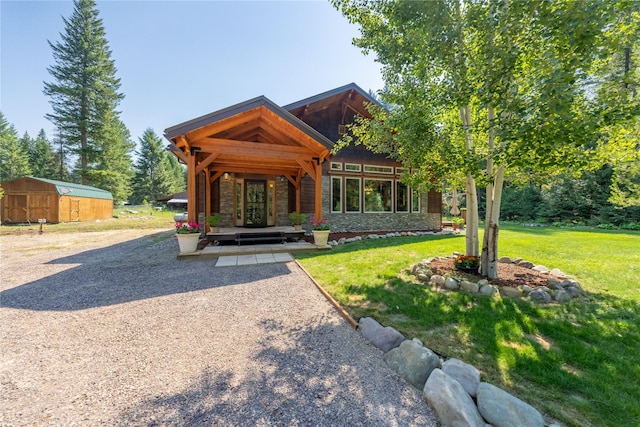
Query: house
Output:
(29,199)
(256,162)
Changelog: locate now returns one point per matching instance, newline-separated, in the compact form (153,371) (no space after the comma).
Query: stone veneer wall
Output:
(348,222)
(282,202)
(226,202)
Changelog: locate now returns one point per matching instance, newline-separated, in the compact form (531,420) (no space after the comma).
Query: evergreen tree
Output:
(14,161)
(84,91)
(114,170)
(155,174)
(179,175)
(41,159)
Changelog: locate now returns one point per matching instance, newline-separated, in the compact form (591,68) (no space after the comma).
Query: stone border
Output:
(452,388)
(560,287)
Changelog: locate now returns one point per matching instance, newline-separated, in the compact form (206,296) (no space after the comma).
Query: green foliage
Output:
(41,158)
(84,97)
(156,175)
(574,362)
(14,160)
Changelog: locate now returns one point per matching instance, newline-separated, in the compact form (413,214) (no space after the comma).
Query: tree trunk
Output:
(472,240)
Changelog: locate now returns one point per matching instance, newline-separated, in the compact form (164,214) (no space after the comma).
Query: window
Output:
(352,167)
(336,166)
(415,201)
(400,171)
(352,193)
(336,194)
(402,197)
(378,169)
(378,195)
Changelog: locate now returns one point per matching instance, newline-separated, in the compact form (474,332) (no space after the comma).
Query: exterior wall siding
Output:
(227,203)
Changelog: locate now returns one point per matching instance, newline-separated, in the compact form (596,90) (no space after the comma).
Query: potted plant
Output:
(188,234)
(212,222)
(297,219)
(320,229)
(467,263)
(457,222)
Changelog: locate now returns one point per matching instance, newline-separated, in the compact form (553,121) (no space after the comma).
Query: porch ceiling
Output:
(256,136)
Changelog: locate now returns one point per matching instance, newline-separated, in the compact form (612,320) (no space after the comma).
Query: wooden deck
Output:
(246,235)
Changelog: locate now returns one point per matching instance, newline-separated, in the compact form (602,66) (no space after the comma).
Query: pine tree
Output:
(84,91)
(41,159)
(155,174)
(14,161)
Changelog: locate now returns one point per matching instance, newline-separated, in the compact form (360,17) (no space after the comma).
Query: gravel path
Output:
(110,328)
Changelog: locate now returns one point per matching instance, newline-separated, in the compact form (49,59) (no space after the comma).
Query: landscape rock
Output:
(413,362)
(383,337)
(501,409)
(573,291)
(540,296)
(437,280)
(526,264)
(450,401)
(483,282)
(562,296)
(488,290)
(540,268)
(451,283)
(469,286)
(552,280)
(506,260)
(467,375)
(557,273)
(526,289)
(510,292)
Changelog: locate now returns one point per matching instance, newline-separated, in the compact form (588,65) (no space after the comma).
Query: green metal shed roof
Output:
(77,190)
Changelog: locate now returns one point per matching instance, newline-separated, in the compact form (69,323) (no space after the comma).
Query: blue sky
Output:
(178,60)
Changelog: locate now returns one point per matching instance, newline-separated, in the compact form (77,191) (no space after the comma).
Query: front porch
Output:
(245,235)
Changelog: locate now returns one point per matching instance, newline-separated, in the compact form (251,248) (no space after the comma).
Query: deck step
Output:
(273,237)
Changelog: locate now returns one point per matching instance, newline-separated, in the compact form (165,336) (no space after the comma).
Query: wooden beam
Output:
(292,180)
(215,176)
(206,162)
(207,196)
(224,124)
(308,167)
(233,147)
(192,212)
(318,195)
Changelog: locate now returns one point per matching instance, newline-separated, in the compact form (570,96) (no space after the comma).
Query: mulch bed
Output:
(508,274)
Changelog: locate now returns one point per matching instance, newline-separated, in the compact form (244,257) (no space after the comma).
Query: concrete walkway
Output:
(233,255)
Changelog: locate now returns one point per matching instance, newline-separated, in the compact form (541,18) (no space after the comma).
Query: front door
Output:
(255,205)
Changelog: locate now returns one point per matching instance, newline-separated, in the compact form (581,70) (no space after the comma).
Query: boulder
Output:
(483,282)
(573,291)
(501,409)
(468,376)
(450,401)
(488,290)
(540,268)
(510,292)
(506,260)
(451,283)
(557,273)
(526,289)
(384,338)
(552,280)
(540,296)
(469,286)
(526,264)
(562,296)
(437,280)
(413,362)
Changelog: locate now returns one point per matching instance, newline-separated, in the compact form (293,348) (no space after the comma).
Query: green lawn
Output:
(124,218)
(577,363)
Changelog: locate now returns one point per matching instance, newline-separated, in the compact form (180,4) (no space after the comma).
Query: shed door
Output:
(16,208)
(74,215)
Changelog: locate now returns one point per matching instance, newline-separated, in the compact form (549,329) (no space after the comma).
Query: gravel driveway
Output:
(110,328)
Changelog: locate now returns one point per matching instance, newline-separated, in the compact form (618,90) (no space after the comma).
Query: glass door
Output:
(255,204)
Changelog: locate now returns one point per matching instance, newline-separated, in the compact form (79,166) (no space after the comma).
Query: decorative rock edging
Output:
(560,287)
(345,240)
(452,388)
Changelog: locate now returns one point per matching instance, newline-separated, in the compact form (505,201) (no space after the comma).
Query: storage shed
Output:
(29,199)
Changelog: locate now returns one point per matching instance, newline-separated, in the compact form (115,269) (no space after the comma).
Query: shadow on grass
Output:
(576,362)
(321,374)
(134,270)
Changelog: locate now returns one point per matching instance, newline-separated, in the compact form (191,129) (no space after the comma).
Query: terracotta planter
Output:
(297,227)
(320,238)
(188,242)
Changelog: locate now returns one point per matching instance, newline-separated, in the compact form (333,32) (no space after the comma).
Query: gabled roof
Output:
(77,190)
(332,94)
(261,101)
